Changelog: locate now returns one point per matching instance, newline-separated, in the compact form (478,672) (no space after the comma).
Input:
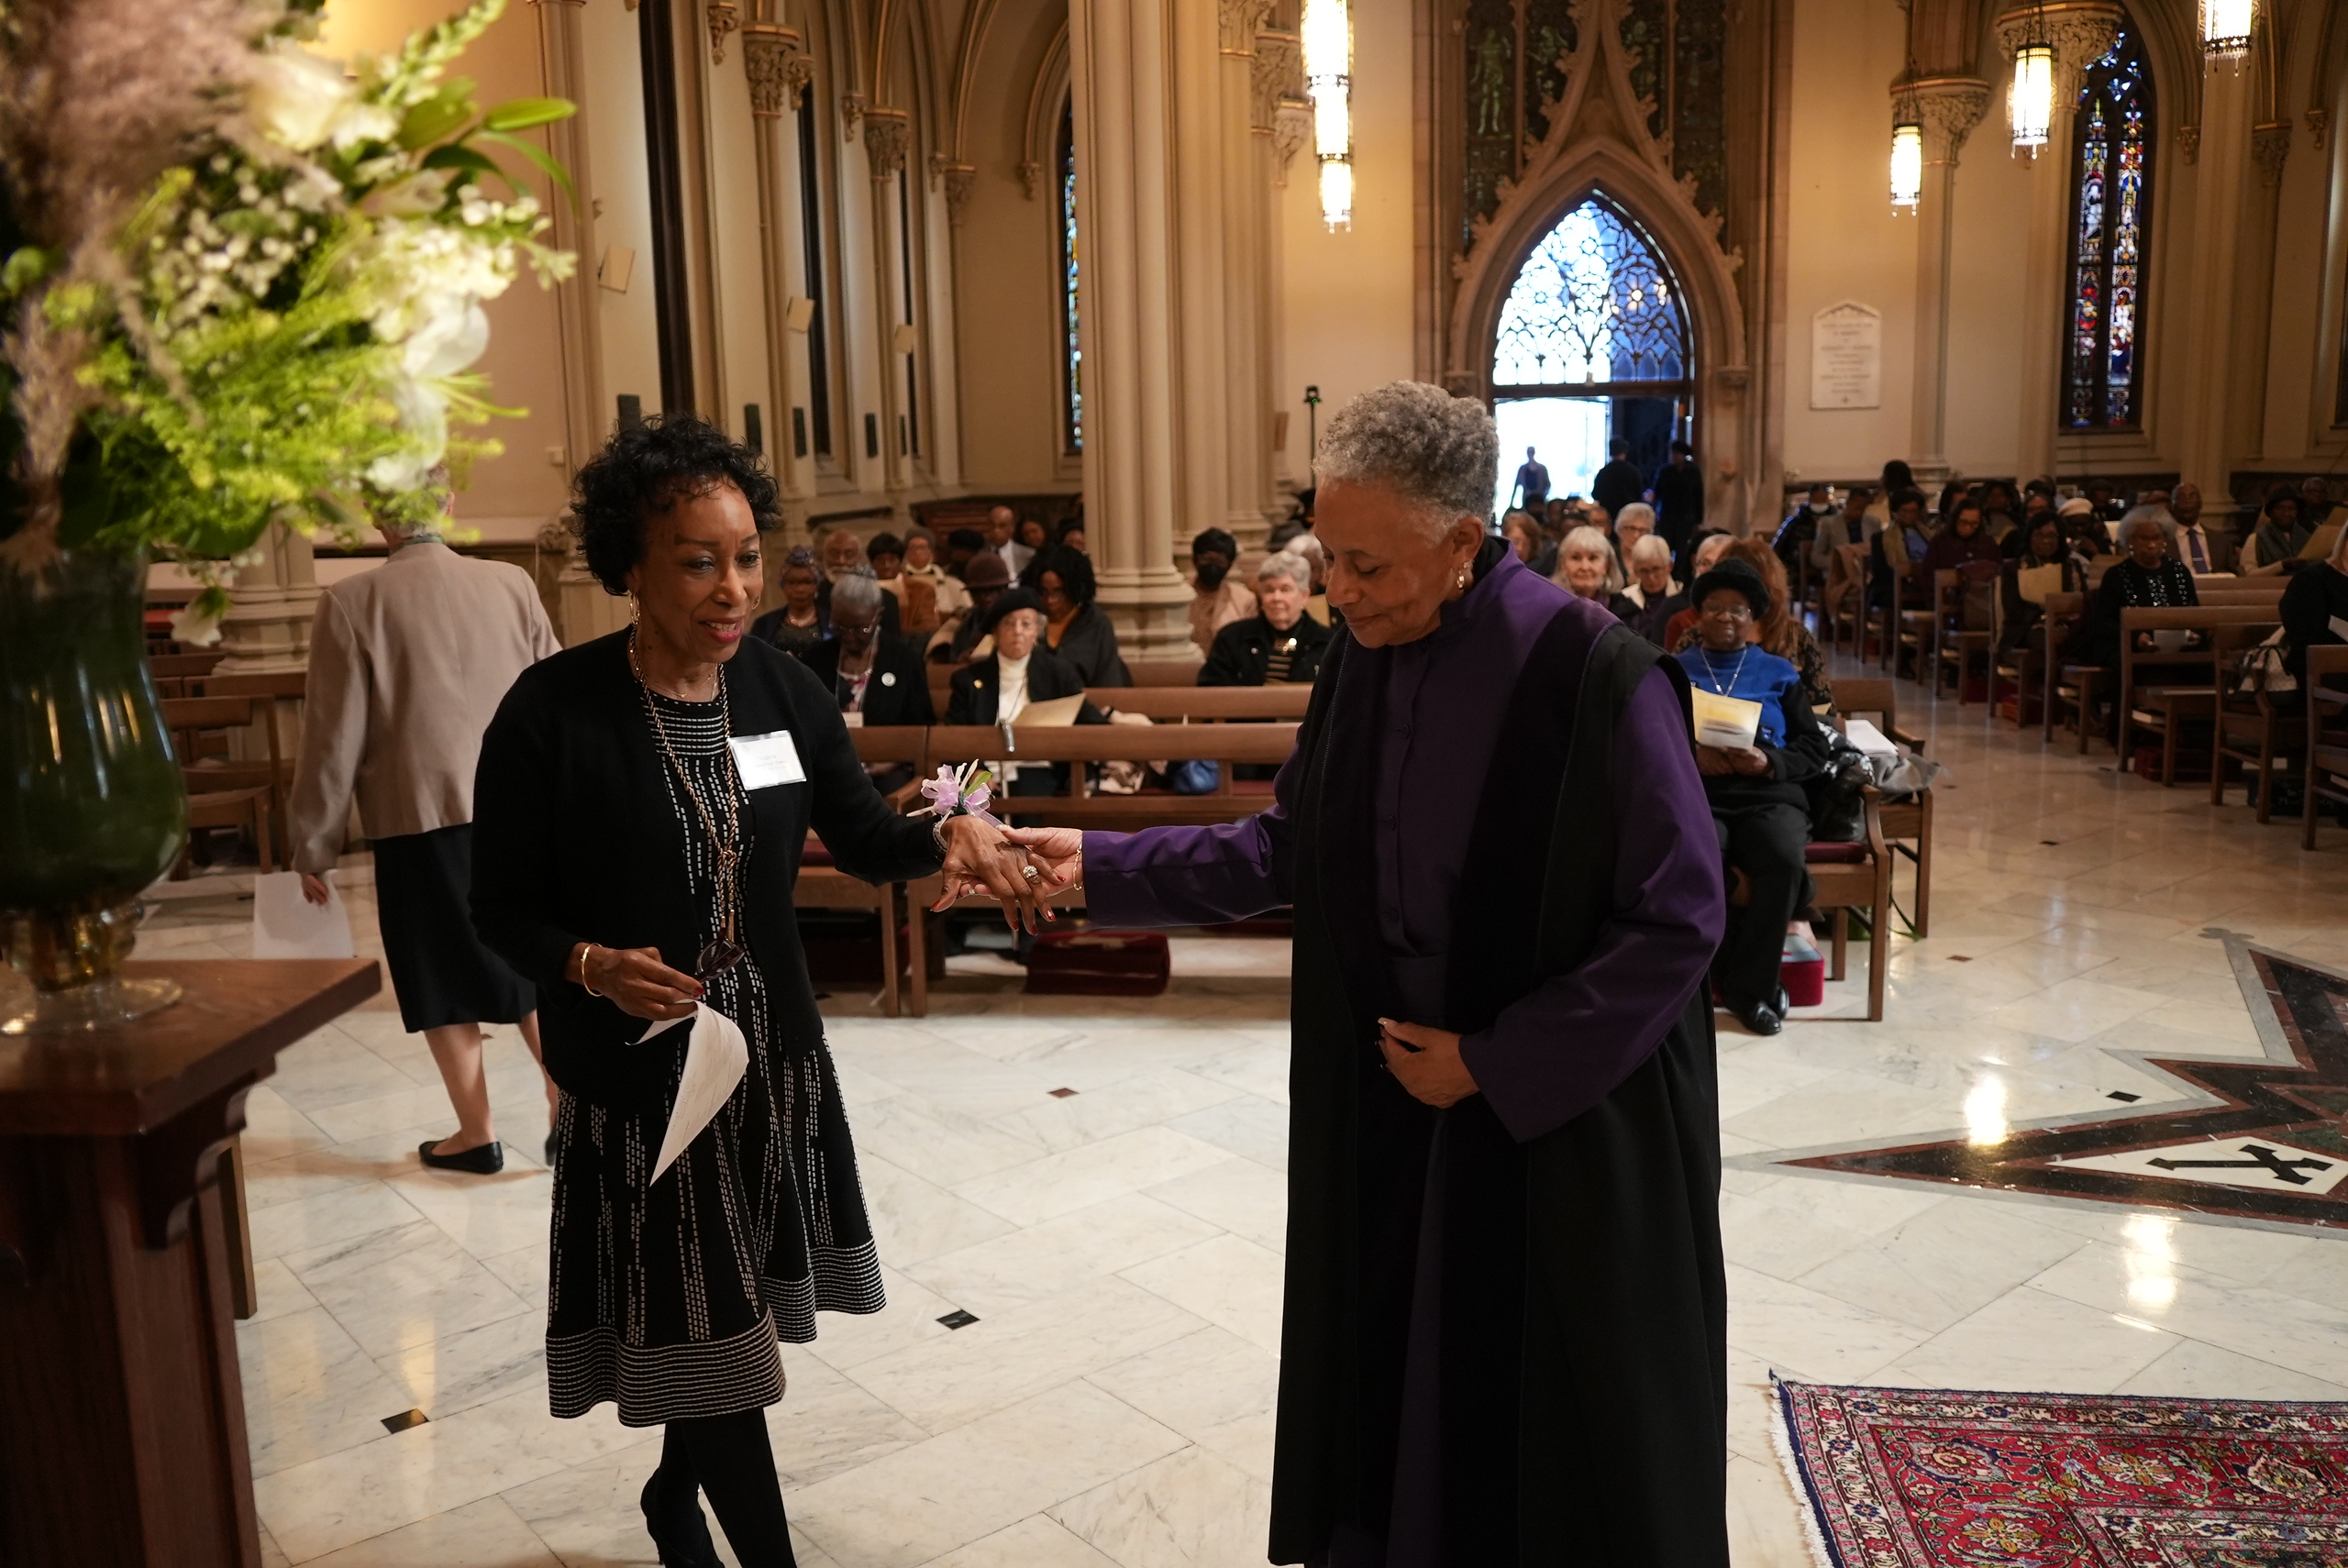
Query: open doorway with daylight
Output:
(1592,348)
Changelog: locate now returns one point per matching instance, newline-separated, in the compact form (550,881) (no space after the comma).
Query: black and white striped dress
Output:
(668,1298)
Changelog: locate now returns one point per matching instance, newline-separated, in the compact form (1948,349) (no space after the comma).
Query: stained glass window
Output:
(1593,303)
(2110,206)
(1072,414)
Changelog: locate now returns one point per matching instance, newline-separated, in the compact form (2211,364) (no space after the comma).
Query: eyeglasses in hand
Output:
(716,958)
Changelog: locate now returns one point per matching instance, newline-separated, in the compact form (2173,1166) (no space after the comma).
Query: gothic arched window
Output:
(2112,188)
(1592,303)
(1592,347)
(1073,354)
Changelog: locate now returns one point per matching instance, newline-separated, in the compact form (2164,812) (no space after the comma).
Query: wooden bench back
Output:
(891,743)
(275,683)
(2195,618)
(1258,742)
(1205,703)
(183,663)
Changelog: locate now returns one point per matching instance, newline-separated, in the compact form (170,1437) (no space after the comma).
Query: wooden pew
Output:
(1228,744)
(1201,704)
(279,688)
(213,800)
(2196,695)
(824,885)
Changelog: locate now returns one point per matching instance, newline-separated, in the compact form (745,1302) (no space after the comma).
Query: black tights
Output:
(729,1458)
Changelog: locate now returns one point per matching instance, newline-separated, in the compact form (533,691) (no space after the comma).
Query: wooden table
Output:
(124,1440)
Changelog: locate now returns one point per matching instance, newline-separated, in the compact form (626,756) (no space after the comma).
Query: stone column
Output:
(2215,274)
(1246,281)
(1947,108)
(578,333)
(1154,443)
(2270,147)
(2080,32)
(887,133)
(779,73)
(266,628)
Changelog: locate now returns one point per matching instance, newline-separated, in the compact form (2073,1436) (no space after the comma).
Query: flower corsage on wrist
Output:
(962,792)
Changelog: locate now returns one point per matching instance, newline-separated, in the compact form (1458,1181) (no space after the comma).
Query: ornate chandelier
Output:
(1327,33)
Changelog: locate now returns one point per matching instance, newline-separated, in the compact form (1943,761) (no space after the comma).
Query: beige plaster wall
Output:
(620,202)
(1845,242)
(1347,297)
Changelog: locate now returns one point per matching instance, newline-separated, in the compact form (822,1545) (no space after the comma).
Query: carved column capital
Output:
(2080,31)
(1238,20)
(1291,129)
(851,111)
(778,68)
(1947,108)
(1278,72)
(2189,143)
(2270,145)
(960,180)
(722,18)
(887,134)
(2319,125)
(1031,177)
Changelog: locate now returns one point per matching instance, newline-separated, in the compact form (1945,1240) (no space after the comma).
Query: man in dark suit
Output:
(2205,551)
(1680,496)
(1619,483)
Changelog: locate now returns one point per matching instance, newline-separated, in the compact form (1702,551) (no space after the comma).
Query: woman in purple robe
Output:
(1505,1311)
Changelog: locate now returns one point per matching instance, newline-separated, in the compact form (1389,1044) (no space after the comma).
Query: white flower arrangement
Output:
(251,290)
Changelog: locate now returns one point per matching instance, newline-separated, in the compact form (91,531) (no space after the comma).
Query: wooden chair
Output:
(2164,709)
(2253,727)
(277,688)
(1905,826)
(1847,876)
(2061,611)
(1843,600)
(2326,685)
(824,885)
(210,804)
(1956,647)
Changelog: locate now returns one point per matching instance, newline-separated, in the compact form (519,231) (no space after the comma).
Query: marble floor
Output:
(1119,1246)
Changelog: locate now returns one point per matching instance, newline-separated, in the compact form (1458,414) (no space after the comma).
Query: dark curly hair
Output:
(1073,566)
(649,467)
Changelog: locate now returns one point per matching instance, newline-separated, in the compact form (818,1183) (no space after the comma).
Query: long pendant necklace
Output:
(724,951)
(1734,675)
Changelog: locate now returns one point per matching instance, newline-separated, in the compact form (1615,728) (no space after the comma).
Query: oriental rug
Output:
(1925,1478)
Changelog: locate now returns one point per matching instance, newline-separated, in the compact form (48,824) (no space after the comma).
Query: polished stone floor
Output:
(1120,1246)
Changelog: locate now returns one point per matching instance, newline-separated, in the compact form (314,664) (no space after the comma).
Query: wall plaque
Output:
(1846,356)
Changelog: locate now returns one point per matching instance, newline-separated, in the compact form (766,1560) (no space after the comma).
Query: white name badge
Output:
(765,761)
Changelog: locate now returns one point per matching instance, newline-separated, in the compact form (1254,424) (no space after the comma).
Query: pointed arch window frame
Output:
(1681,386)
(1067,249)
(2112,165)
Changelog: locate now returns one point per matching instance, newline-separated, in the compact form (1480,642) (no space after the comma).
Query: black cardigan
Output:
(1088,644)
(978,688)
(575,840)
(898,692)
(1242,655)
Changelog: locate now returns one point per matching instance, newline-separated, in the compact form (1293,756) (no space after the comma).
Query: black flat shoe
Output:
(488,1159)
(1760,1018)
(685,1547)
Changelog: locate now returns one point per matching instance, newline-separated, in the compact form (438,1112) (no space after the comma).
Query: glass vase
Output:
(92,805)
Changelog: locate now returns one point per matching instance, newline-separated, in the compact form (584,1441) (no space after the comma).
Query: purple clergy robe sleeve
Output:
(1564,1047)
(1193,875)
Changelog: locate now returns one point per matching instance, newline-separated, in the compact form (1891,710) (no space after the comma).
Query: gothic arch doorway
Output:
(1591,344)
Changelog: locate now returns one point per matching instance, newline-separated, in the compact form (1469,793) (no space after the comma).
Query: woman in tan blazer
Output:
(407,665)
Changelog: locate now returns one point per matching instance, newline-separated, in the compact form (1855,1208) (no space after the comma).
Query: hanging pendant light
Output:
(2030,102)
(1327,33)
(1906,149)
(2226,29)
(1907,165)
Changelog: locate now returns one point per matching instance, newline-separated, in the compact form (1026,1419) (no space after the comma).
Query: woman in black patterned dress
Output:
(641,805)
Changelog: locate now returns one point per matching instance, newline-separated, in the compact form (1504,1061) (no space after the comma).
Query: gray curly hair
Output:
(1436,451)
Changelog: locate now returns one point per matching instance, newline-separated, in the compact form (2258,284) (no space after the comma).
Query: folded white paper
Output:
(1053,712)
(287,925)
(716,1058)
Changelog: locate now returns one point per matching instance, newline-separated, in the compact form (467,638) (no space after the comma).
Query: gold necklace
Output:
(723,952)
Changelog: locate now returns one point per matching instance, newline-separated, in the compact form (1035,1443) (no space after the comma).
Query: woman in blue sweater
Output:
(1759,809)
